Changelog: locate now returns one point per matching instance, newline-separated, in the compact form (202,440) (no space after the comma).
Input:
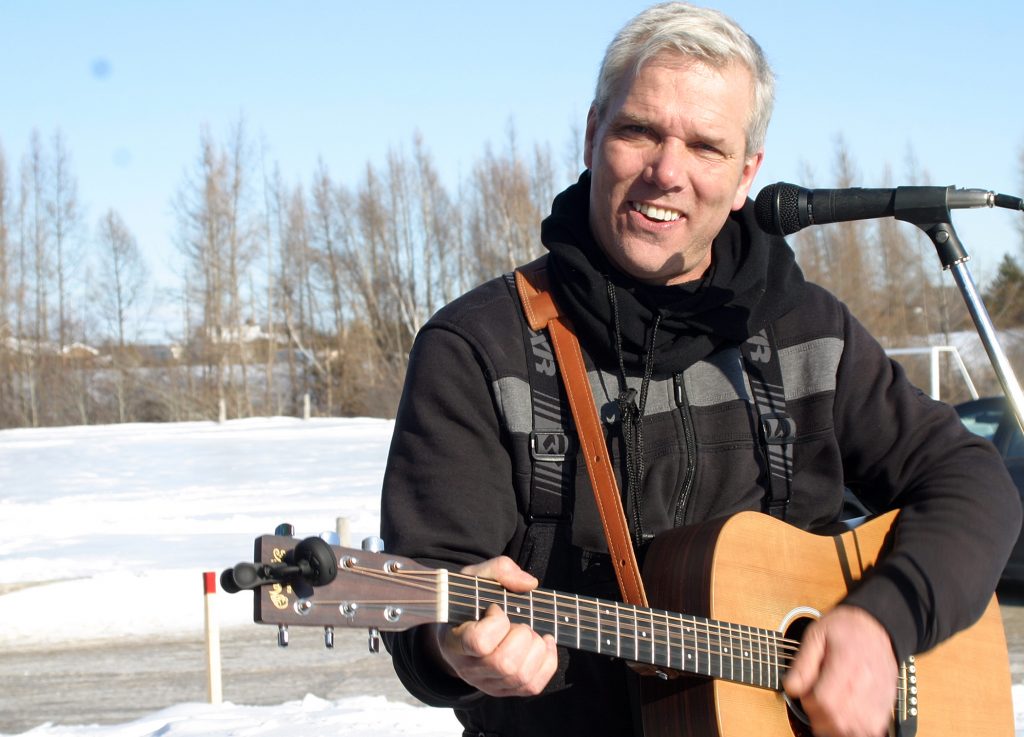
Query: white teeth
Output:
(656,213)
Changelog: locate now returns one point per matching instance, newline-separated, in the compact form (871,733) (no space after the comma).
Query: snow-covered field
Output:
(148,508)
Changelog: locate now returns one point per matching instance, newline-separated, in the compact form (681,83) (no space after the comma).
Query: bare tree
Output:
(8,366)
(242,250)
(123,275)
(65,221)
(843,257)
(330,235)
(573,159)
(504,216)
(204,240)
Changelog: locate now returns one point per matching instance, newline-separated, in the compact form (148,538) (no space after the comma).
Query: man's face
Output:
(668,162)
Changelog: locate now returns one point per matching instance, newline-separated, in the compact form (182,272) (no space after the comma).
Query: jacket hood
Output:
(753,280)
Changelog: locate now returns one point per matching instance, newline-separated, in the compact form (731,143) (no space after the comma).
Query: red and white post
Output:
(212,626)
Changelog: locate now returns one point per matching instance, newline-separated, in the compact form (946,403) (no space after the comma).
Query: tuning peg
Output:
(285,530)
(373,544)
(374,642)
(282,635)
(329,638)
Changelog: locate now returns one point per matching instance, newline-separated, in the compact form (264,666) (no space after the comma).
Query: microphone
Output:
(784,208)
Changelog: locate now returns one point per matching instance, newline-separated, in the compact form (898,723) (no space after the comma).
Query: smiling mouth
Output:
(661,214)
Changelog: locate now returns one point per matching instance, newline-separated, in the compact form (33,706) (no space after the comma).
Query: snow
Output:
(148,508)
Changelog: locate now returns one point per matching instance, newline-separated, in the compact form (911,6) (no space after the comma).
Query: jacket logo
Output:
(760,350)
(555,443)
(542,352)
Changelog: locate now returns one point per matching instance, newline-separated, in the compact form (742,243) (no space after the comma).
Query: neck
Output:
(756,657)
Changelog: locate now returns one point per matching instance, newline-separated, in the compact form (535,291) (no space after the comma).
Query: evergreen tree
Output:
(1005,295)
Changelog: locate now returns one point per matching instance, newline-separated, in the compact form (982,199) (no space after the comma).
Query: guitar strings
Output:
(787,647)
(631,612)
(732,641)
(488,592)
(629,626)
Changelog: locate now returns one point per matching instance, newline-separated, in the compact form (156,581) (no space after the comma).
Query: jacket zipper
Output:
(691,449)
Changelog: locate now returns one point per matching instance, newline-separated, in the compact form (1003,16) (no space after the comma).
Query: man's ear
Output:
(588,140)
(750,168)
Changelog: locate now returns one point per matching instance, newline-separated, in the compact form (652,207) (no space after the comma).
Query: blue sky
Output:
(130,85)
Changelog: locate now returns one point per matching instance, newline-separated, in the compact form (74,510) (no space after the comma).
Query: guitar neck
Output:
(707,647)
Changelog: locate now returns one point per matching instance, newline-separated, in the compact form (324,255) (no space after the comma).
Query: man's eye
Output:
(636,129)
(706,148)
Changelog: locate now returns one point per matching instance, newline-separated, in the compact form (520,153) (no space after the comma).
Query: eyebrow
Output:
(624,116)
(627,117)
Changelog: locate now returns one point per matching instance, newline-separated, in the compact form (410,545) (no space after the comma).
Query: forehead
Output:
(671,84)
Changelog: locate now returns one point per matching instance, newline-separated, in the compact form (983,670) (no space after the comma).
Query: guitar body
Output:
(758,571)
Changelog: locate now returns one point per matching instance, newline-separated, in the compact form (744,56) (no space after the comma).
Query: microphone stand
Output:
(912,207)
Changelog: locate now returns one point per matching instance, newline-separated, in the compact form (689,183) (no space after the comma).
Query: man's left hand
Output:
(845,675)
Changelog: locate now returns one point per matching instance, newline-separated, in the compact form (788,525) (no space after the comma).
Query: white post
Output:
(343,531)
(213,674)
(222,411)
(936,375)
(305,406)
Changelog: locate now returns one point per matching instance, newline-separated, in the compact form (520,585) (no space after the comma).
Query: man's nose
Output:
(666,168)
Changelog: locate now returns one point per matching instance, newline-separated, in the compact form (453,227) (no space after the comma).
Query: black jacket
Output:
(457,484)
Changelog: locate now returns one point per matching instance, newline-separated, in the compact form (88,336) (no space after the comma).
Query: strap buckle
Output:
(549,446)
(777,428)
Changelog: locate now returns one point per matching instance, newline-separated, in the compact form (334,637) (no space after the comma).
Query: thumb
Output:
(806,665)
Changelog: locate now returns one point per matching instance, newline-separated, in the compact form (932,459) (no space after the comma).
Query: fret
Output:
(732,650)
(579,624)
(736,651)
(762,660)
(668,640)
(689,664)
(531,610)
(645,637)
(681,646)
(744,651)
(636,636)
(515,611)
(702,649)
(600,632)
(763,664)
(723,650)
(654,638)
(757,654)
(476,597)
(554,604)
(618,634)
(773,644)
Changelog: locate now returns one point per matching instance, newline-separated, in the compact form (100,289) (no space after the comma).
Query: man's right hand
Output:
(492,654)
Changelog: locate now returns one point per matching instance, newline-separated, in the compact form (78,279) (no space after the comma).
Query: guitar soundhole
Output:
(798,720)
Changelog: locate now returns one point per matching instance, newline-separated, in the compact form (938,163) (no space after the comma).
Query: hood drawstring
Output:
(632,416)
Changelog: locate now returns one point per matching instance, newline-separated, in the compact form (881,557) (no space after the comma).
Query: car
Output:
(993,418)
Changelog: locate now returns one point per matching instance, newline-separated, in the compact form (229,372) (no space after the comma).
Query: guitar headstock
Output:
(373,590)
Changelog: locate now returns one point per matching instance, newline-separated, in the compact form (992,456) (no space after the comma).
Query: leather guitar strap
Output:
(542,312)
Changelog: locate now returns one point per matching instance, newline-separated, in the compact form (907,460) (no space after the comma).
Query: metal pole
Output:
(987,332)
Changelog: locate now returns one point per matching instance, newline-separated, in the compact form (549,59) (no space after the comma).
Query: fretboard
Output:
(756,657)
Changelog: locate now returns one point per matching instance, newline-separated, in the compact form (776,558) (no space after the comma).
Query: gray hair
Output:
(699,33)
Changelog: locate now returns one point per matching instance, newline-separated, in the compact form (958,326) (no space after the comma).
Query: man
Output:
(655,257)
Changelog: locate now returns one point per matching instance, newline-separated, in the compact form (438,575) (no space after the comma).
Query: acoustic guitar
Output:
(729,598)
